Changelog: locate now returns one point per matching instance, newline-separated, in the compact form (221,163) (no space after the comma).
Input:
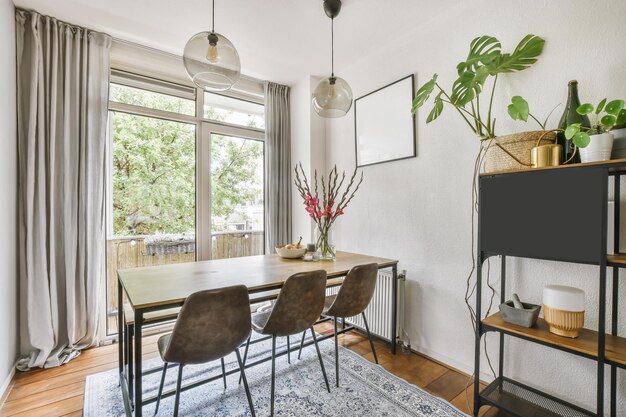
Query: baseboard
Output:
(451,363)
(6,385)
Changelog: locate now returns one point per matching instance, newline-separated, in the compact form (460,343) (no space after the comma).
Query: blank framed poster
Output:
(383,124)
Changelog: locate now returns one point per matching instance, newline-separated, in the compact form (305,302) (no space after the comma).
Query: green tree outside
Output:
(154,165)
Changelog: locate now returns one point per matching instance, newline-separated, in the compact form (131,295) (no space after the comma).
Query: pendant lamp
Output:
(332,96)
(211,60)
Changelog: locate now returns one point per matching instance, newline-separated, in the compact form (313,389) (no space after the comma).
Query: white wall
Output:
(418,210)
(308,132)
(8,184)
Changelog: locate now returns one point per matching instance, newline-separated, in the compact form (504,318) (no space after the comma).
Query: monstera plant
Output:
(485,61)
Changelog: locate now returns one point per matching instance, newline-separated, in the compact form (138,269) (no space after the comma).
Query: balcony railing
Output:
(130,252)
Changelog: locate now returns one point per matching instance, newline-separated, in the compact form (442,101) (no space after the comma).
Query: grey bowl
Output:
(525,318)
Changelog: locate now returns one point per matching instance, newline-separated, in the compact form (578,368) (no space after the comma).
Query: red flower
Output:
(319,214)
(339,212)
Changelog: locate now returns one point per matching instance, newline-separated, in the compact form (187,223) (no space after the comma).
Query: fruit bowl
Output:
(290,253)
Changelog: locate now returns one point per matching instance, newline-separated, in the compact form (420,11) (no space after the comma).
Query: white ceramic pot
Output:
(599,148)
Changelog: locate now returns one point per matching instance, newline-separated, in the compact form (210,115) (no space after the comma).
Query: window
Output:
(237,209)
(182,186)
(144,98)
(233,111)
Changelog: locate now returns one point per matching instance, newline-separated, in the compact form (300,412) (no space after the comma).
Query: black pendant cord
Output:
(332,47)
(213,18)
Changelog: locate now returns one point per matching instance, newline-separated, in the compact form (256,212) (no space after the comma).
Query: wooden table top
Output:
(169,284)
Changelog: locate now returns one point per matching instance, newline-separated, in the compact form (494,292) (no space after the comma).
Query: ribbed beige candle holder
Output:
(564,323)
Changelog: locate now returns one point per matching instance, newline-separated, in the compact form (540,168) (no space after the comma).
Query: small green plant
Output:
(519,110)
(484,60)
(605,117)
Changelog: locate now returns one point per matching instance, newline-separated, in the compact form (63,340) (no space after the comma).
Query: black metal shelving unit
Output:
(557,214)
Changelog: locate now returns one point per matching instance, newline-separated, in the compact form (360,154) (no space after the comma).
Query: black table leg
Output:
(394,307)
(138,369)
(120,339)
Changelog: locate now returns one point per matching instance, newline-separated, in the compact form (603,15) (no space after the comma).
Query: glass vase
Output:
(325,245)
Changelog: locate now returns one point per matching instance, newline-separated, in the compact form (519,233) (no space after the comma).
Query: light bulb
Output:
(332,91)
(212,54)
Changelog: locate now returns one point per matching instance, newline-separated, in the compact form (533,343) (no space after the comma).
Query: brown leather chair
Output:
(297,308)
(210,325)
(353,297)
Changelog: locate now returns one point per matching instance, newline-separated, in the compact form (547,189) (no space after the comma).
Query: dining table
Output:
(158,291)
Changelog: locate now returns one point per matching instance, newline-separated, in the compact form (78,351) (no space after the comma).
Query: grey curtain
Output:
(277,166)
(62,93)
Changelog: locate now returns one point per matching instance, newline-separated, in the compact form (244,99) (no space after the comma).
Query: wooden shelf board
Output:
(614,165)
(586,343)
(619,259)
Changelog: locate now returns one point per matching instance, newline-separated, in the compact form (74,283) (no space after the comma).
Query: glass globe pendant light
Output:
(332,96)
(211,60)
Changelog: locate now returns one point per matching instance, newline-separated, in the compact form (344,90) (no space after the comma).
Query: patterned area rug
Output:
(366,389)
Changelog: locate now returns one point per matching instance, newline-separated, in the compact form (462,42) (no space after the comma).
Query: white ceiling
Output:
(278,40)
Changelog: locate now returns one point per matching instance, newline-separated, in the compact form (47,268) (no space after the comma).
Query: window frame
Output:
(204,128)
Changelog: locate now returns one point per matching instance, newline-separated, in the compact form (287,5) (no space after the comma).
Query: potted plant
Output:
(485,61)
(325,207)
(596,142)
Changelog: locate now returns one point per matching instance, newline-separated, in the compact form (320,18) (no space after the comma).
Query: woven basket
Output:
(518,145)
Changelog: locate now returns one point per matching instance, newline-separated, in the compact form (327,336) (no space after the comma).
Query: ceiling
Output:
(278,40)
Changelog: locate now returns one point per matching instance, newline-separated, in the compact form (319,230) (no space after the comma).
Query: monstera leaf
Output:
(469,85)
(483,50)
(423,93)
(524,55)
(518,109)
(436,111)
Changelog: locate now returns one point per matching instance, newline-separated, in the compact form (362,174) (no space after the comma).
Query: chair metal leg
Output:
(288,351)
(224,373)
(319,356)
(245,383)
(369,335)
(273,374)
(301,344)
(156,410)
(336,354)
(178,384)
(245,355)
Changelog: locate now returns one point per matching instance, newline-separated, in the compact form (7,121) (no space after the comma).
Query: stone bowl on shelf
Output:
(525,318)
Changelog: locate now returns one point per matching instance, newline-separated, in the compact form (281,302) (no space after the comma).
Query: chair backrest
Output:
(356,291)
(299,304)
(211,324)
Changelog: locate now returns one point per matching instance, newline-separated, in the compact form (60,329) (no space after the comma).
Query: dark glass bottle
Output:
(569,117)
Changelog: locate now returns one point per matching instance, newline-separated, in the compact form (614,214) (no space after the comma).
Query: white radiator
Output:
(378,313)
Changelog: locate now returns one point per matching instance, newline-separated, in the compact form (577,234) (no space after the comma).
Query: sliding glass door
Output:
(185,179)
(237,209)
